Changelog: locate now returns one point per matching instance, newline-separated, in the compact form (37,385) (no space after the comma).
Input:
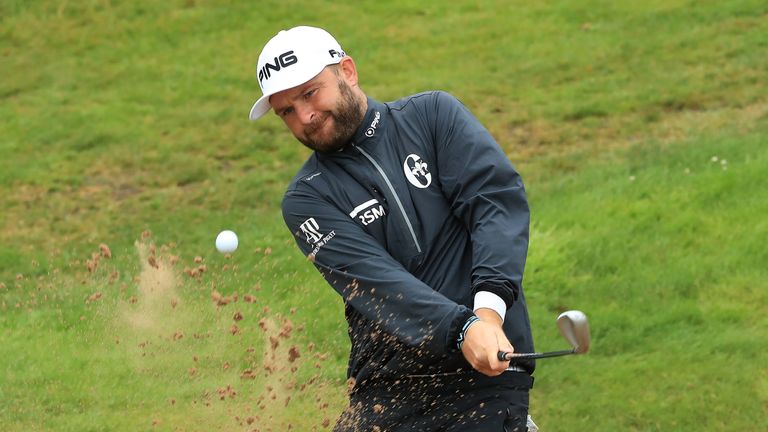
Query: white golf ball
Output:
(226,241)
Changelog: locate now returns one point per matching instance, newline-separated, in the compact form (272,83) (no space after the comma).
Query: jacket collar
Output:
(369,131)
(371,127)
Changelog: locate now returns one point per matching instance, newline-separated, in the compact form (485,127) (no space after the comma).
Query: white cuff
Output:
(489,300)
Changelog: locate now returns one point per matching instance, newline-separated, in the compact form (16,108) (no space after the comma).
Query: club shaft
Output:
(503,356)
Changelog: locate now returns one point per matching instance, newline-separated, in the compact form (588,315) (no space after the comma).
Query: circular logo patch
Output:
(416,171)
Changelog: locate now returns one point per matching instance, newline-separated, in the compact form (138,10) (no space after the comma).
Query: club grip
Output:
(503,356)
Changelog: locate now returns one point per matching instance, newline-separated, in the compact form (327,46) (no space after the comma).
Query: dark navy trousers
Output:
(461,402)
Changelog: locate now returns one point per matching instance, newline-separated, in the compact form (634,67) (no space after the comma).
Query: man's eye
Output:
(309,94)
(286,111)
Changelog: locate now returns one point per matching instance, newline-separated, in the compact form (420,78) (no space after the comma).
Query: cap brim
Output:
(260,108)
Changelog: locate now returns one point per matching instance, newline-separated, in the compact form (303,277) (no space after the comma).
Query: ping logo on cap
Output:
(282,61)
(313,47)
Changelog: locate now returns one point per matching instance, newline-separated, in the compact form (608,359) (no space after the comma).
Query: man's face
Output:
(322,113)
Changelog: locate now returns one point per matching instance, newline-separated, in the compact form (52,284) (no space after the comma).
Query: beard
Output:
(346,116)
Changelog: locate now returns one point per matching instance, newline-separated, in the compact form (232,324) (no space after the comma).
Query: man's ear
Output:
(348,70)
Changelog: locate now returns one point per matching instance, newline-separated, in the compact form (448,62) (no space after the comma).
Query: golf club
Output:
(573,326)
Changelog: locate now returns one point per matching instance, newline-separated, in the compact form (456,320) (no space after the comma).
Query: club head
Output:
(574,327)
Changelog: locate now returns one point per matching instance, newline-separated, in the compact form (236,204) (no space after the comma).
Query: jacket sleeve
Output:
(486,193)
(369,280)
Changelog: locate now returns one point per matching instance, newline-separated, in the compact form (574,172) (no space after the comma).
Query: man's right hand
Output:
(483,341)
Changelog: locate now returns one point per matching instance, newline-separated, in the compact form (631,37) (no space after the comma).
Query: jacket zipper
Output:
(394,194)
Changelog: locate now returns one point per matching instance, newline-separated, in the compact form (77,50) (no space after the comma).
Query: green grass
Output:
(665,252)
(123,117)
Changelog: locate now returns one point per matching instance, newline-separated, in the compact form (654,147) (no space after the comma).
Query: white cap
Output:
(291,58)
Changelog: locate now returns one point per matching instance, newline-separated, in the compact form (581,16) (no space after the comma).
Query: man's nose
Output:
(306,114)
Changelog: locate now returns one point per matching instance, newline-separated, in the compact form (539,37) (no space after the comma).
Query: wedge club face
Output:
(574,327)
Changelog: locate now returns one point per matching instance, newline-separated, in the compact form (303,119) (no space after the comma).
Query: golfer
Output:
(415,216)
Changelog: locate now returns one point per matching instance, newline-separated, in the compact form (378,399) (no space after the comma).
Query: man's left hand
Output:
(483,341)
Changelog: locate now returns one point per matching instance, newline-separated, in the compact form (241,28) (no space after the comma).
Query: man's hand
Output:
(483,341)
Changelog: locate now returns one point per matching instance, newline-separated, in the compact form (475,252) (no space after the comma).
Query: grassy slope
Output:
(120,117)
(671,266)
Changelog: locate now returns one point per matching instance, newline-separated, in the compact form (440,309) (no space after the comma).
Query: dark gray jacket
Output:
(420,211)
